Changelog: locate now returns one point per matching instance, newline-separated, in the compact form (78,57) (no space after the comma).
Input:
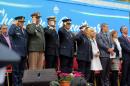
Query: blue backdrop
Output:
(79,13)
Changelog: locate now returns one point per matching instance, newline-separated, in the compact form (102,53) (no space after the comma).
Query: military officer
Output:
(66,51)
(36,43)
(52,43)
(19,37)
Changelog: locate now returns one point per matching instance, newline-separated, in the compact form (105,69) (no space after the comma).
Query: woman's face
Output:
(115,35)
(88,32)
(93,34)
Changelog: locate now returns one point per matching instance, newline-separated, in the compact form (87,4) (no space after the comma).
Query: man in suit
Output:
(125,44)
(52,43)
(84,52)
(19,37)
(36,43)
(106,48)
(4,37)
(66,46)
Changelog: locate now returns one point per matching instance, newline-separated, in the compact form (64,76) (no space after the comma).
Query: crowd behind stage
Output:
(96,53)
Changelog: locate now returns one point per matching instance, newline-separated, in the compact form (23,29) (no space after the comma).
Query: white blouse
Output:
(118,47)
(95,49)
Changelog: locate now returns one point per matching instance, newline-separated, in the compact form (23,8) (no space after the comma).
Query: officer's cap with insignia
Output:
(51,18)
(82,26)
(36,14)
(20,18)
(66,21)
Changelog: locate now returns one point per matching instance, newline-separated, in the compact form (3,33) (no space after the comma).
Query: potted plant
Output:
(65,79)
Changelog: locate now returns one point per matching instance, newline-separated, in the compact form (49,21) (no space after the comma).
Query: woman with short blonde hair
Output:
(95,63)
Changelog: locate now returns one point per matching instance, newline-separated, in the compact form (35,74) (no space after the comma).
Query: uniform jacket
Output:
(19,39)
(52,42)
(84,47)
(36,40)
(67,43)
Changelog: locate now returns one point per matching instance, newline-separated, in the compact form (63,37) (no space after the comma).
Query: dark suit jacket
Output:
(104,43)
(4,42)
(19,40)
(66,42)
(52,42)
(125,45)
(84,47)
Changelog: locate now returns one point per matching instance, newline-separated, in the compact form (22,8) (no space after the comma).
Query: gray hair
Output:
(102,25)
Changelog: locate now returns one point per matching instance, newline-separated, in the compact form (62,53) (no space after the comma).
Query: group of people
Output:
(41,47)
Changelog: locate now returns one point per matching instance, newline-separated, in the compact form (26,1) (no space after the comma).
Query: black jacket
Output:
(125,45)
(19,40)
(52,42)
(84,47)
(67,42)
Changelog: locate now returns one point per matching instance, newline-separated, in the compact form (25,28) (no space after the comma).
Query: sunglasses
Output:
(4,28)
(38,17)
(68,23)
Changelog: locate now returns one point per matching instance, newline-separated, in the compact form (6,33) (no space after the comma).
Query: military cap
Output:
(51,18)
(66,20)
(37,14)
(82,26)
(20,18)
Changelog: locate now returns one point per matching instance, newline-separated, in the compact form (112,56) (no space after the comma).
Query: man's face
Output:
(68,25)
(4,29)
(125,31)
(51,23)
(35,19)
(105,28)
(21,23)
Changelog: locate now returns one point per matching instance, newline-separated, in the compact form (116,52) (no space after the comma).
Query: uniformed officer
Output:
(84,52)
(52,43)
(66,51)
(36,43)
(19,37)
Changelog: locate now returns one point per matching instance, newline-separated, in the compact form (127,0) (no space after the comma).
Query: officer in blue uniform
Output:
(19,37)
(67,46)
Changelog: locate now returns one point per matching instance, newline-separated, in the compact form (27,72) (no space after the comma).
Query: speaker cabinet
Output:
(39,77)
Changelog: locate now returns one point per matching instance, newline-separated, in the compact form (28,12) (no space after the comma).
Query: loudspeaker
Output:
(39,77)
